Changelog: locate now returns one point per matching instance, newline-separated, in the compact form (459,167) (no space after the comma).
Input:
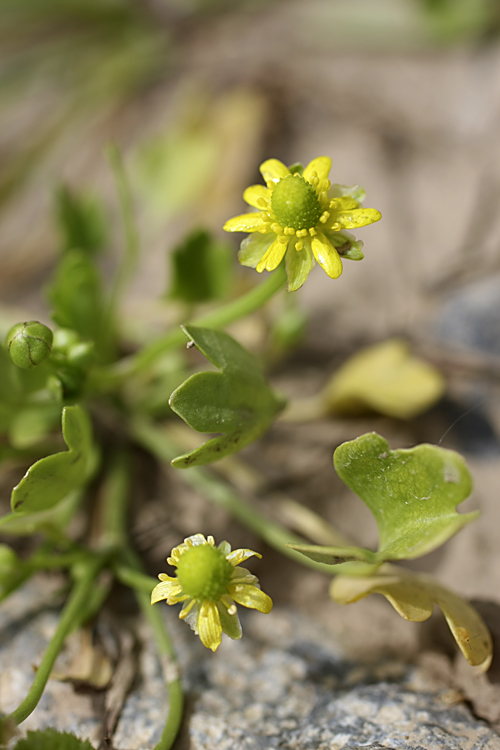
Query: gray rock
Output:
(471,317)
(298,693)
(286,685)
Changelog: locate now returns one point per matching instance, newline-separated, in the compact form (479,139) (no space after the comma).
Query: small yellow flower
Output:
(302,217)
(209,581)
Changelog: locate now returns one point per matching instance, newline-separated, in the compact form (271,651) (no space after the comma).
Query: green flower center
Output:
(204,573)
(295,203)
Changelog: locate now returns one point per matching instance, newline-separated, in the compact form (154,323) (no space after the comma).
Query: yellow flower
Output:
(302,217)
(209,581)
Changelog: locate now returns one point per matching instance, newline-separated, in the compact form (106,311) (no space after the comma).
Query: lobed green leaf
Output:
(50,479)
(412,493)
(49,739)
(237,401)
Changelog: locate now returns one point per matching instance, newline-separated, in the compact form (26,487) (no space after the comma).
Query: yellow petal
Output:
(345,203)
(166,590)
(254,193)
(237,556)
(273,257)
(326,255)
(244,223)
(321,166)
(298,266)
(209,627)
(251,597)
(254,247)
(273,170)
(359,217)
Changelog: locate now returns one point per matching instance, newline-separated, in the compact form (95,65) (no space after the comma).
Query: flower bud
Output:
(29,344)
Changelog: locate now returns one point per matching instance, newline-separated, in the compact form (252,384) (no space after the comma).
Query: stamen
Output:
(336,227)
(277,228)
(323,196)
(283,239)
(312,232)
(184,612)
(232,609)
(334,204)
(313,179)
(299,245)
(270,184)
(324,217)
(289,230)
(302,233)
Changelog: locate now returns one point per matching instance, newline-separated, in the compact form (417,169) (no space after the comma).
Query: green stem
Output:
(46,562)
(134,579)
(141,583)
(274,534)
(131,254)
(70,615)
(130,257)
(127,568)
(223,316)
(113,509)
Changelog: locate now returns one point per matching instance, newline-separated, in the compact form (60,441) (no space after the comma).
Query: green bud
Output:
(204,573)
(29,344)
(295,203)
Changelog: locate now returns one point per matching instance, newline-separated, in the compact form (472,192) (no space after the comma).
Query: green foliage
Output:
(29,344)
(52,522)
(201,268)
(50,479)
(81,221)
(412,493)
(49,739)
(75,294)
(237,401)
(33,423)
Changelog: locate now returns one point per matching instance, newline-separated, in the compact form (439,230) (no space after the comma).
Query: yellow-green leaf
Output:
(385,378)
(412,493)
(413,596)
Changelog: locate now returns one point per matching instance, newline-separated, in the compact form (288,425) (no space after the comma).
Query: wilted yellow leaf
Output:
(385,378)
(413,596)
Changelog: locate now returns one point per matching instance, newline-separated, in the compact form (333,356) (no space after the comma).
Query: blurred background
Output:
(403,95)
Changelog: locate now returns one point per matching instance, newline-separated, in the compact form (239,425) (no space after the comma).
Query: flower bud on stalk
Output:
(29,344)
